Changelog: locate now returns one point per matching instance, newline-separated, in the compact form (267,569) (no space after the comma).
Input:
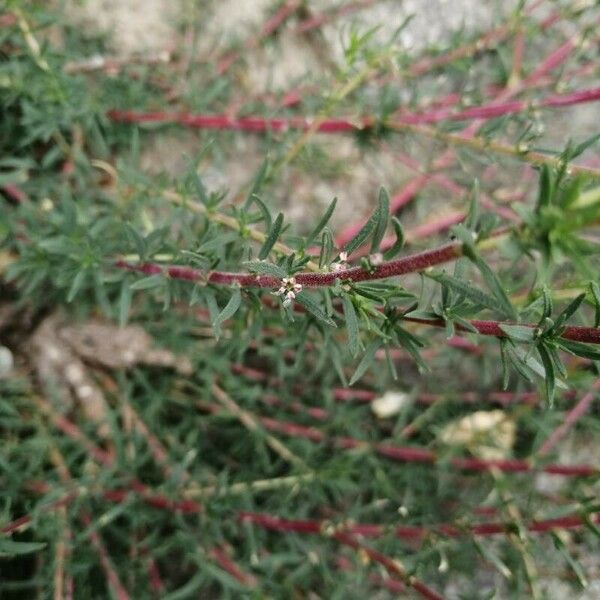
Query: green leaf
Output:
(566,314)
(383,213)
(263,209)
(137,239)
(505,364)
(465,236)
(199,186)
(265,268)
(581,148)
(503,304)
(257,183)
(230,308)
(77,284)
(327,246)
(124,302)
(305,300)
(525,360)
(549,373)
(580,349)
(9,547)
(363,235)
(150,282)
(546,191)
(366,360)
(399,243)
(575,566)
(595,289)
(468,291)
(213,311)
(312,236)
(352,325)
(473,215)
(272,237)
(548,305)
(518,333)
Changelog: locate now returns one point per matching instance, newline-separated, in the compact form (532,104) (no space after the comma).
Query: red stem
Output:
(391,566)
(263,124)
(412,532)
(225,562)
(412,454)
(113,579)
(401,266)
(587,335)
(570,420)
(447,158)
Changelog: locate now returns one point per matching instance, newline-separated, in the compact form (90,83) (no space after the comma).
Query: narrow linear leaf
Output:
(147,283)
(351,325)
(546,187)
(77,284)
(230,308)
(527,360)
(468,291)
(266,214)
(580,349)
(124,302)
(595,289)
(473,215)
(399,243)
(305,300)
(549,373)
(518,333)
(213,311)
(9,547)
(566,314)
(383,213)
(366,360)
(575,566)
(257,183)
(505,364)
(265,268)
(503,303)
(312,236)
(272,237)
(548,304)
(199,187)
(365,232)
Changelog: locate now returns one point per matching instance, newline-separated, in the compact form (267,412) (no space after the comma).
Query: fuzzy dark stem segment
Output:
(587,335)
(401,266)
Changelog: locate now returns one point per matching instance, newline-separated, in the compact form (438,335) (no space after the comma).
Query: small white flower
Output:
(289,288)
(341,264)
(376,259)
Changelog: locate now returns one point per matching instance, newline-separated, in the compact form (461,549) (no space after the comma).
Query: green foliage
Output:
(263,403)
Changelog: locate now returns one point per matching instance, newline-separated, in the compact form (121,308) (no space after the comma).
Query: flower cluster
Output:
(289,288)
(341,264)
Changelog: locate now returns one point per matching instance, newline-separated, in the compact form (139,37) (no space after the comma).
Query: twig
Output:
(570,420)
(252,424)
(413,454)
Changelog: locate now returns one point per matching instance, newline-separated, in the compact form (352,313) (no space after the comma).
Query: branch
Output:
(414,454)
(401,266)
(412,532)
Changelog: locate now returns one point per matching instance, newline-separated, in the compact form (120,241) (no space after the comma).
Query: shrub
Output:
(210,399)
